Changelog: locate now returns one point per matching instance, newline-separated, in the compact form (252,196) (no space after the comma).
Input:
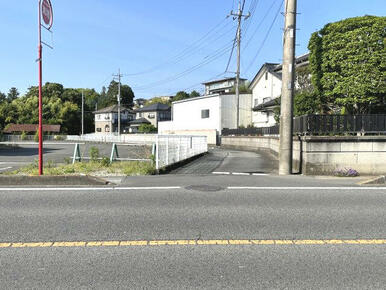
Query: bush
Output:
(59,138)
(147,128)
(94,153)
(23,136)
(105,162)
(36,136)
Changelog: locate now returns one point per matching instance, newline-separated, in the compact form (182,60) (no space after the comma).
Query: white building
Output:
(266,91)
(208,115)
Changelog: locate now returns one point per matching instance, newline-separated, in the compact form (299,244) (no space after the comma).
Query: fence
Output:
(31,138)
(172,149)
(322,125)
(147,139)
(337,124)
(252,131)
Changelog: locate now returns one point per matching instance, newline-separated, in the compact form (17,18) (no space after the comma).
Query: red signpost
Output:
(45,12)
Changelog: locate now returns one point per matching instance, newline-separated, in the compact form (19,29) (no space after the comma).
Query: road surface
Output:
(184,234)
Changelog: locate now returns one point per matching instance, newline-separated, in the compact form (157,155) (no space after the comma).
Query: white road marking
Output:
(259,174)
(86,188)
(305,188)
(221,173)
(240,173)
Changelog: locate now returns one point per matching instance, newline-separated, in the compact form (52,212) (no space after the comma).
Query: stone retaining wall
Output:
(323,155)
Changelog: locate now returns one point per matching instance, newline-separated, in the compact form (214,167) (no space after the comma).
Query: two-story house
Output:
(266,90)
(221,86)
(106,119)
(151,114)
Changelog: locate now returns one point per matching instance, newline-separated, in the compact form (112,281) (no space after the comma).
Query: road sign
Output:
(47,13)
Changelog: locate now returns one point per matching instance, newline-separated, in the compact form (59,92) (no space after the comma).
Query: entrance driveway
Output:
(226,161)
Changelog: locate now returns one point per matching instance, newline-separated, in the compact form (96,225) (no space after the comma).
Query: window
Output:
(99,129)
(107,128)
(266,76)
(98,116)
(140,115)
(204,114)
(151,116)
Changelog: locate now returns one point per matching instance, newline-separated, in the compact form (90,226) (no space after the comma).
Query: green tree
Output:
(182,95)
(348,63)
(12,94)
(156,100)
(127,95)
(194,94)
(3,97)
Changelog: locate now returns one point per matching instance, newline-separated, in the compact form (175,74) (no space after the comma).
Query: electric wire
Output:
(265,38)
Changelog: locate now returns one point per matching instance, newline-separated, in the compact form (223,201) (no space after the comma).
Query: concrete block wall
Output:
(323,155)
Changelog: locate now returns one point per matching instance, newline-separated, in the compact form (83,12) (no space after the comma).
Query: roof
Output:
(300,60)
(112,109)
(31,128)
(271,103)
(222,80)
(269,67)
(154,108)
(139,121)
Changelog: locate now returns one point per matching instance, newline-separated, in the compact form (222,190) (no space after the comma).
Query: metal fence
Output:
(337,124)
(322,125)
(31,138)
(171,149)
(252,131)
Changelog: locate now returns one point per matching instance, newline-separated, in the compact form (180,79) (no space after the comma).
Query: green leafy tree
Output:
(181,96)
(156,100)
(12,94)
(348,64)
(194,94)
(127,95)
(3,97)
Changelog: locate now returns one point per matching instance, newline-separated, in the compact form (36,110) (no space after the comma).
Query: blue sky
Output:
(93,38)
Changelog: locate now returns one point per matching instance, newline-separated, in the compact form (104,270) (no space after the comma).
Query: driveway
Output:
(225,161)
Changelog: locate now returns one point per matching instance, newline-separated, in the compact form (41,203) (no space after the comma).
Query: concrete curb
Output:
(169,168)
(374,181)
(69,180)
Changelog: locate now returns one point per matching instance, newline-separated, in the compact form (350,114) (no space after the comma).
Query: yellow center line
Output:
(67,244)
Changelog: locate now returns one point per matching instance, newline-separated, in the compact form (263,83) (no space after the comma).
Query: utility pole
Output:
(119,100)
(287,91)
(82,112)
(239,16)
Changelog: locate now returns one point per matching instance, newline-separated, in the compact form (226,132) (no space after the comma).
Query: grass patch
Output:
(128,168)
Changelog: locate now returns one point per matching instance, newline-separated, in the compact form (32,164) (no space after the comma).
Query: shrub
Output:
(36,136)
(94,153)
(105,162)
(147,128)
(346,172)
(23,136)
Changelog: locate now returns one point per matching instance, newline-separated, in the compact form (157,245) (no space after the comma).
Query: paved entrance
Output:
(225,161)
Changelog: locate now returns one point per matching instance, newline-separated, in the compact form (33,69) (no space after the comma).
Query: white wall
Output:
(187,114)
(265,90)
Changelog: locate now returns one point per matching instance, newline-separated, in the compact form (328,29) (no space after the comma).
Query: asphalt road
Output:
(221,160)
(193,213)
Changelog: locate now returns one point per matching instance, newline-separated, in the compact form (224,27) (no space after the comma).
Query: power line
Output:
(189,49)
(207,60)
(259,25)
(265,38)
